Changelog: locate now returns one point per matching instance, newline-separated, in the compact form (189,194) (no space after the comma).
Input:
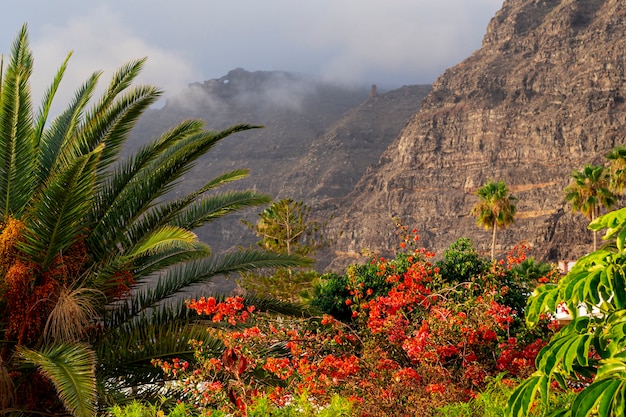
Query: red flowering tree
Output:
(418,345)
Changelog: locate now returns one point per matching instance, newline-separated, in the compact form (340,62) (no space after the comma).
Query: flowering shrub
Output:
(411,342)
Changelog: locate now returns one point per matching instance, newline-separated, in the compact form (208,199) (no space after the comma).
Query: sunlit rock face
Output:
(542,97)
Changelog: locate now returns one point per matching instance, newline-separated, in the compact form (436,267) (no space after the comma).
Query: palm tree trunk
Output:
(595,232)
(493,241)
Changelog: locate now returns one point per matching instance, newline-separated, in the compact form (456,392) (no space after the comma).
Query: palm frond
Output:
(181,277)
(58,214)
(127,352)
(56,154)
(145,266)
(213,207)
(175,212)
(17,147)
(113,124)
(71,369)
(41,118)
(165,238)
(152,182)
(111,213)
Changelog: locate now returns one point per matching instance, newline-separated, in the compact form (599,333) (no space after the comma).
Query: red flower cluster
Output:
(232,309)
(422,340)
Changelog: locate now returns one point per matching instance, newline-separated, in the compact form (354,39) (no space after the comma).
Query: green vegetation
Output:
(495,208)
(492,401)
(588,352)
(589,192)
(617,169)
(93,248)
(79,227)
(285,227)
(264,407)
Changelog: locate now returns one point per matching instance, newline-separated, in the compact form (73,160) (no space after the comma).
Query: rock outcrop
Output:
(543,96)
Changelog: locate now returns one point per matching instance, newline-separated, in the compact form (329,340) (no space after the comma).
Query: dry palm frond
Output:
(7,390)
(72,315)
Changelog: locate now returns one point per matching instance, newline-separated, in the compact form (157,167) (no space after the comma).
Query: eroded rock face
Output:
(543,96)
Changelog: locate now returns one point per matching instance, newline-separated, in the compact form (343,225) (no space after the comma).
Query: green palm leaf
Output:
(71,368)
(212,208)
(60,134)
(42,117)
(182,276)
(151,182)
(17,145)
(60,211)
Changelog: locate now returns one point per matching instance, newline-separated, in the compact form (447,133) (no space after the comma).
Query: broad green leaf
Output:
(610,367)
(522,398)
(619,289)
(608,398)
(587,399)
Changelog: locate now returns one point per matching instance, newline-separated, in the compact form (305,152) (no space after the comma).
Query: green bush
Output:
(461,262)
(331,291)
(492,401)
(301,407)
(141,409)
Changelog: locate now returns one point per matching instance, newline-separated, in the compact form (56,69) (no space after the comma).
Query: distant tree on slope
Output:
(589,191)
(494,209)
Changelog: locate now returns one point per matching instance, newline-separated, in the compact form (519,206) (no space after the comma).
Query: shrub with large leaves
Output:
(80,228)
(591,350)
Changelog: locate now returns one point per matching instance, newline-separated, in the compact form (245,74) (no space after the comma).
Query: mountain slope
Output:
(317,141)
(543,96)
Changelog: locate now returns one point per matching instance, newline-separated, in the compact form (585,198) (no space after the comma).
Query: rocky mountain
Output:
(316,143)
(544,95)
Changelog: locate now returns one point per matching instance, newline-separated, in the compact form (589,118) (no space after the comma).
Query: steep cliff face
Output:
(336,160)
(543,96)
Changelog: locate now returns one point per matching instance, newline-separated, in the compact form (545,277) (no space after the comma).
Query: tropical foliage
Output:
(417,345)
(91,244)
(588,352)
(590,191)
(494,209)
(286,227)
(617,169)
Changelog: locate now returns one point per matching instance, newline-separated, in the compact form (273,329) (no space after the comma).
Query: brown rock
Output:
(543,96)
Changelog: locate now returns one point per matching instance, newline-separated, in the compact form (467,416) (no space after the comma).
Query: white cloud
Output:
(401,36)
(399,41)
(100,42)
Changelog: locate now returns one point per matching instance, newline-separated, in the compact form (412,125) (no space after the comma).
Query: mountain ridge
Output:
(542,97)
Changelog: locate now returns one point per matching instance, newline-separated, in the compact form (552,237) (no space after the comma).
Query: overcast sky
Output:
(385,42)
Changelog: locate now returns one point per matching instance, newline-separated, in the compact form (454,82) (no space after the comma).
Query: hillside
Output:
(543,96)
(317,141)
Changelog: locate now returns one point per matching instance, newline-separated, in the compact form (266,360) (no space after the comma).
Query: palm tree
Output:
(617,169)
(495,208)
(588,192)
(91,245)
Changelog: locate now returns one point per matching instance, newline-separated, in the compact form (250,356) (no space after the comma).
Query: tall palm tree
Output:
(91,245)
(494,209)
(617,169)
(589,191)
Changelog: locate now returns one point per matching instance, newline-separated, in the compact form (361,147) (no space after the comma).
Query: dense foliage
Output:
(588,352)
(286,227)
(407,347)
(90,244)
